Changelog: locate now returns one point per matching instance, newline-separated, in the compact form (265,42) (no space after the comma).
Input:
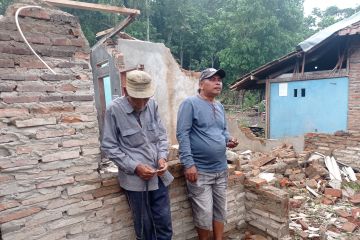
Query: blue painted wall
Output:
(107,90)
(323,109)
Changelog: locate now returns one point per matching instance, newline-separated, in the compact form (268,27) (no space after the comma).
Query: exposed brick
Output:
(41,198)
(71,119)
(52,109)
(342,213)
(61,156)
(82,55)
(50,98)
(19,214)
(55,133)
(13,112)
(56,77)
(5,37)
(65,222)
(79,142)
(61,42)
(106,191)
(20,99)
(349,227)
(7,63)
(7,87)
(31,64)
(39,39)
(35,13)
(67,88)
(35,122)
(38,147)
(110,182)
(35,87)
(333,192)
(60,182)
(72,98)
(82,188)
(8,204)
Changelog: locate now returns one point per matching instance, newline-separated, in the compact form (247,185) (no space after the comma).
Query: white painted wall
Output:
(173,84)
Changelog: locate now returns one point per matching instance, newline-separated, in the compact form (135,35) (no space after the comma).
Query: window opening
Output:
(303,92)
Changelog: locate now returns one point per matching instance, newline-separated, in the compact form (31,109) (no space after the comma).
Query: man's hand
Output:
(144,171)
(191,174)
(233,142)
(162,166)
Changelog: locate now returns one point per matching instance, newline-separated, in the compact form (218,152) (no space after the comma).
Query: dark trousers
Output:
(151,213)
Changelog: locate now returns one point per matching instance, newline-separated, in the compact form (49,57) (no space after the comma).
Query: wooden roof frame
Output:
(94,7)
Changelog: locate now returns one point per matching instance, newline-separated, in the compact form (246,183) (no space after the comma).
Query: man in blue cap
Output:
(203,137)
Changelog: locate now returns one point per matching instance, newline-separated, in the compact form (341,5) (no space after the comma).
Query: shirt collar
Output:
(128,108)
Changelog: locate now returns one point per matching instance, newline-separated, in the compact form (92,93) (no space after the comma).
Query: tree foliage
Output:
(237,35)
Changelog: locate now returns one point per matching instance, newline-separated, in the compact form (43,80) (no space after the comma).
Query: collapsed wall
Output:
(51,186)
(173,83)
(345,147)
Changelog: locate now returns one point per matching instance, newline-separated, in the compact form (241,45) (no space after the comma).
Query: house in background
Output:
(315,88)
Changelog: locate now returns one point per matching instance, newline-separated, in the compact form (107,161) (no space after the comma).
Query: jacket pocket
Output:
(152,132)
(133,137)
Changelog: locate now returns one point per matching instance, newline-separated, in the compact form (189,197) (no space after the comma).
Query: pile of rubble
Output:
(324,193)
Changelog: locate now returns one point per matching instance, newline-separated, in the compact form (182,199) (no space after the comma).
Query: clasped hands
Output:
(146,172)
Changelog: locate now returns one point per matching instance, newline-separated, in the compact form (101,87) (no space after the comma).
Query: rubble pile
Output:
(324,193)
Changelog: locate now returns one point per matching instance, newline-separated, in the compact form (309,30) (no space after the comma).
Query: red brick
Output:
(7,87)
(63,181)
(31,64)
(303,224)
(57,77)
(255,182)
(333,192)
(13,112)
(82,55)
(110,182)
(342,213)
(349,227)
(67,88)
(19,214)
(50,98)
(71,119)
(20,99)
(39,40)
(55,109)
(61,42)
(78,98)
(35,13)
(327,201)
(355,212)
(8,204)
(106,191)
(55,133)
(35,87)
(7,63)
(295,203)
(355,199)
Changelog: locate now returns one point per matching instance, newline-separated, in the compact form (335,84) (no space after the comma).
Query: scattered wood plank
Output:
(93,7)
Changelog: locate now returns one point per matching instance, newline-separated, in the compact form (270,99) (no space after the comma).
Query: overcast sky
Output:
(323,4)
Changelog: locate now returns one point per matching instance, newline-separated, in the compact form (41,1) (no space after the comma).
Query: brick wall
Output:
(354,85)
(345,147)
(267,208)
(50,183)
(51,186)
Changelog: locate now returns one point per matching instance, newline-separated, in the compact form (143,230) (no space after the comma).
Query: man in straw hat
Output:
(134,138)
(203,137)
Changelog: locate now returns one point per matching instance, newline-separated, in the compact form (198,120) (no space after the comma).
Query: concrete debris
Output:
(324,194)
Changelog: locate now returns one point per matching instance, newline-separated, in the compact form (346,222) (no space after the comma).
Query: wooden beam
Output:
(115,30)
(93,7)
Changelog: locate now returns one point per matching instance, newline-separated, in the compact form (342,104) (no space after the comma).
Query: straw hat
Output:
(139,84)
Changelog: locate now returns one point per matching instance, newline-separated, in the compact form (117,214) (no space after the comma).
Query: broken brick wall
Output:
(345,147)
(51,186)
(354,85)
(267,208)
